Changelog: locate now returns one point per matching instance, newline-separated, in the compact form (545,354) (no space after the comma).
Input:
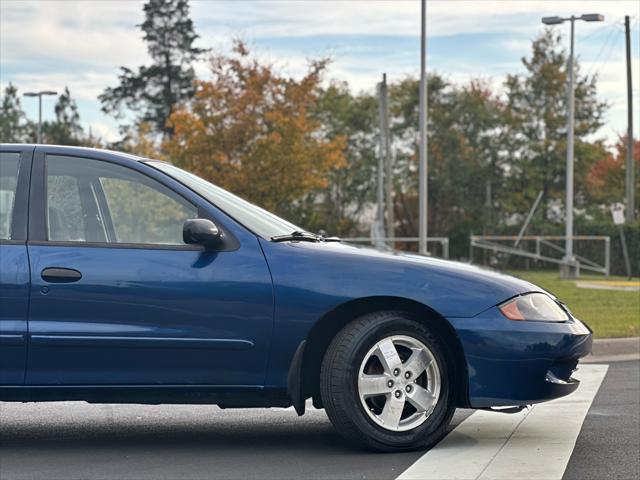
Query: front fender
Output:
(311,279)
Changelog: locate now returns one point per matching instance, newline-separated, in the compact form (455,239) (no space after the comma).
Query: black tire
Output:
(339,384)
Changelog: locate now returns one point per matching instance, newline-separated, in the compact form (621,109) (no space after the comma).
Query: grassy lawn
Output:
(609,313)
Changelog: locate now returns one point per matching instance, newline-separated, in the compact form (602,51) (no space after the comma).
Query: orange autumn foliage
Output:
(249,130)
(606,178)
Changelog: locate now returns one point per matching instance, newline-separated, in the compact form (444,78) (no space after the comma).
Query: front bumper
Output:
(520,362)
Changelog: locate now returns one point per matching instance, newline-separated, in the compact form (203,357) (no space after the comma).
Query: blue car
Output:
(124,279)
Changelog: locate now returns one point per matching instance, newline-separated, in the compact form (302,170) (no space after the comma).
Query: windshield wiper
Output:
(331,239)
(298,235)
(302,236)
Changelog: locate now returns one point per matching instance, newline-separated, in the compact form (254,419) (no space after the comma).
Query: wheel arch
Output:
(326,328)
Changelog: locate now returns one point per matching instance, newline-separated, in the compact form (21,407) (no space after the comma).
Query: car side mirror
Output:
(200,231)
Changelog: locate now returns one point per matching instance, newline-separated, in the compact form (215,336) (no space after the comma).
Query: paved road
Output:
(77,440)
(609,443)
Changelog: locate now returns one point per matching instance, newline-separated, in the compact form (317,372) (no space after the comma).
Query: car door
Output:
(15,166)
(117,298)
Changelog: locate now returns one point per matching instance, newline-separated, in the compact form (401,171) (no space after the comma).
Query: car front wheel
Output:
(385,383)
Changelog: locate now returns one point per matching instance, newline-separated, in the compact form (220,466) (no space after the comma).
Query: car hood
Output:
(346,271)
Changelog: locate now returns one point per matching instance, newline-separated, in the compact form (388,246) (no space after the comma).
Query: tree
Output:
(536,131)
(66,128)
(466,158)
(155,90)
(250,131)
(14,127)
(338,207)
(139,140)
(464,155)
(605,180)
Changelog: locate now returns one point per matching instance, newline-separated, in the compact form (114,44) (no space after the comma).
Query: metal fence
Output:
(542,248)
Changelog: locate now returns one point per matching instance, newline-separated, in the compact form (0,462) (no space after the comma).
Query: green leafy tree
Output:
(479,116)
(338,207)
(464,155)
(535,134)
(14,127)
(155,90)
(404,121)
(66,128)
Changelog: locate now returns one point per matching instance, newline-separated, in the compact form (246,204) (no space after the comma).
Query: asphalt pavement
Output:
(608,446)
(70,440)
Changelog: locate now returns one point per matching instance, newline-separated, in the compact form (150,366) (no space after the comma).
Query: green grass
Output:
(610,313)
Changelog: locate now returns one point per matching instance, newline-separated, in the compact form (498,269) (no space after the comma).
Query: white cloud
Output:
(394,17)
(104,131)
(50,44)
(83,86)
(71,33)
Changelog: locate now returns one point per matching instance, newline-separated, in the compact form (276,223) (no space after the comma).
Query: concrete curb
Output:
(614,350)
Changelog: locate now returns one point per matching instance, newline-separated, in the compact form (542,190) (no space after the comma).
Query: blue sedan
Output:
(124,279)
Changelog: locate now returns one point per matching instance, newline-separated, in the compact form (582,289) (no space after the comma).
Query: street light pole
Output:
(568,269)
(39,95)
(423,210)
(568,230)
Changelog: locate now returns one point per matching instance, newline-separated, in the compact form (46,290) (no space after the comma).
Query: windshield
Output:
(256,219)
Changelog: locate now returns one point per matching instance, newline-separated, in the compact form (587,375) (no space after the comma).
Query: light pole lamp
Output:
(569,260)
(39,95)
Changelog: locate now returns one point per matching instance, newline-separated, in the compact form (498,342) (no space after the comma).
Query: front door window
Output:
(94,201)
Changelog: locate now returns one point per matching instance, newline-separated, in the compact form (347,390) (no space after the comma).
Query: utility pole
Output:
(385,148)
(630,173)
(568,268)
(423,210)
(39,95)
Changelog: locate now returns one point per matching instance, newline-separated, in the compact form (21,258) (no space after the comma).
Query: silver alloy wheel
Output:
(399,383)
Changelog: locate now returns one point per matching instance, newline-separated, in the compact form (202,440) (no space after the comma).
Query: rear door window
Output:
(9,164)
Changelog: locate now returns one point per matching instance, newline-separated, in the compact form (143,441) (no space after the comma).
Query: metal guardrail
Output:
(387,241)
(490,242)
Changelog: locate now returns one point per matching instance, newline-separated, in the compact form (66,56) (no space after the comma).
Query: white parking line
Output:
(532,444)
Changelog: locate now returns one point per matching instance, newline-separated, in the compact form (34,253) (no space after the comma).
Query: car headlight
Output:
(534,306)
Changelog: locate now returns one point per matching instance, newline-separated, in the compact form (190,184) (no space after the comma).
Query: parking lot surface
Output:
(71,440)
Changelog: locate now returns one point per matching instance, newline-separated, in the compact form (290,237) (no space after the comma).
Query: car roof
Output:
(77,150)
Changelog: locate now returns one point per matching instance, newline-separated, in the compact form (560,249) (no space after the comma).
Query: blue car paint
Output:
(312,279)
(14,307)
(163,317)
(509,362)
(150,317)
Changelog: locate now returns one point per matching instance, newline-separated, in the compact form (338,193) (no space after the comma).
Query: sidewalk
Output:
(614,350)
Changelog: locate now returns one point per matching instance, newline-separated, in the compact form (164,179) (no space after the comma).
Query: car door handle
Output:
(60,275)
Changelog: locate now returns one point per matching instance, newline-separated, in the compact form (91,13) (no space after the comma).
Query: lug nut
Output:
(398,394)
(407,375)
(408,389)
(396,371)
(390,383)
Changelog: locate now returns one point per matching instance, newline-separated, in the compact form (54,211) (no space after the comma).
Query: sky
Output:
(50,44)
